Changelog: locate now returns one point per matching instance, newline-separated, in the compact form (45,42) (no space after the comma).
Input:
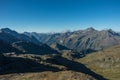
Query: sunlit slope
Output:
(105,62)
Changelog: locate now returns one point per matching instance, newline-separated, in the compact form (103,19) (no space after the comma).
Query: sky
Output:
(59,15)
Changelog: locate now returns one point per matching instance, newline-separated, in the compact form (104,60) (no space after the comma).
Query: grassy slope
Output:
(105,62)
(42,75)
(62,75)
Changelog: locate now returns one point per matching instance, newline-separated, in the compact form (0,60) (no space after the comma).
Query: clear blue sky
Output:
(59,15)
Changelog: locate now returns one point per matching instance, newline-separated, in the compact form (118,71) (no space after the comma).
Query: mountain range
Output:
(82,41)
(62,55)
(85,41)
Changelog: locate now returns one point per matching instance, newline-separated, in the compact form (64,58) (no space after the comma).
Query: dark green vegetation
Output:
(61,56)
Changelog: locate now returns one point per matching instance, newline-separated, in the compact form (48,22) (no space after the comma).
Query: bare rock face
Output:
(86,41)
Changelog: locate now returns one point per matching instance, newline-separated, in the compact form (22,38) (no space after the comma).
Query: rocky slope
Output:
(85,41)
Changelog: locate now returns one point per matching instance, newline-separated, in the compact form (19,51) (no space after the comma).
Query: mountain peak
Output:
(111,31)
(8,30)
(90,29)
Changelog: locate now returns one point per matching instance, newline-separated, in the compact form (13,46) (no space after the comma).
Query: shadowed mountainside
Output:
(6,48)
(78,67)
(25,65)
(59,47)
(31,48)
(21,65)
(11,41)
(9,36)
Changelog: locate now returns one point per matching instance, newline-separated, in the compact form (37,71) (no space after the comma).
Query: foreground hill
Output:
(105,62)
(62,75)
(49,67)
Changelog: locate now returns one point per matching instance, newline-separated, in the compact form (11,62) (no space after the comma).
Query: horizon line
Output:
(63,31)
